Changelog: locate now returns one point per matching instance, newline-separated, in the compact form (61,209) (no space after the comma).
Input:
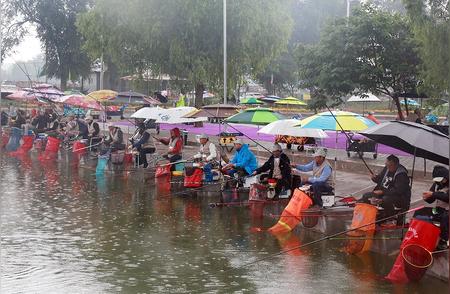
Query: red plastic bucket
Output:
(421,233)
(5,140)
(25,147)
(52,145)
(79,148)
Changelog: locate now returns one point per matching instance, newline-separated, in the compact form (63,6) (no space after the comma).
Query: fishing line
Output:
(350,140)
(326,238)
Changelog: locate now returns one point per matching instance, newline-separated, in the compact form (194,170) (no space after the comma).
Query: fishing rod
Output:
(350,140)
(199,188)
(328,237)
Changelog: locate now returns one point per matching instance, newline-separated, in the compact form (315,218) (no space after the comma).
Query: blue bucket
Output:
(14,139)
(179,166)
(101,165)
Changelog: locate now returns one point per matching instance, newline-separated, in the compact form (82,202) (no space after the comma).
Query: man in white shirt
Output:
(208,151)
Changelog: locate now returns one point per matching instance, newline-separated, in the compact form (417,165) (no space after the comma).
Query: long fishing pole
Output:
(328,237)
(350,140)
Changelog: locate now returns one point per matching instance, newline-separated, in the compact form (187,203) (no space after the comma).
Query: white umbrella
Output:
(169,116)
(366,97)
(289,127)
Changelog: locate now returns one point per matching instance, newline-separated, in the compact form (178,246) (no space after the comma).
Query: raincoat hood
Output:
(246,159)
(176,132)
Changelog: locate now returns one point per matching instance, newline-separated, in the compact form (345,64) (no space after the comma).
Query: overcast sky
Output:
(29,48)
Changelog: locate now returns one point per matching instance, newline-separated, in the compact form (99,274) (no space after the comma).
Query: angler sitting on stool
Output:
(243,163)
(438,193)
(321,180)
(279,167)
(142,141)
(392,190)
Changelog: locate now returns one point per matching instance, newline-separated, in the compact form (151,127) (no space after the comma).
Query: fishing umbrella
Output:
(289,127)
(215,111)
(252,101)
(290,101)
(410,102)
(413,138)
(135,97)
(349,121)
(270,99)
(170,116)
(103,95)
(366,97)
(256,116)
(79,100)
(22,96)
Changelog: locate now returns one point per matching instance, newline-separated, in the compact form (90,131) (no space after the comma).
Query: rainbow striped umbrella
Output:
(348,120)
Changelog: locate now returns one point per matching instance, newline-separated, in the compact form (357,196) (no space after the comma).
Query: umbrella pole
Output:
(414,164)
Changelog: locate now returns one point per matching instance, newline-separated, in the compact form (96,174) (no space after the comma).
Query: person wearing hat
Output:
(175,143)
(279,167)
(71,129)
(321,180)
(114,139)
(93,131)
(207,151)
(143,142)
(392,190)
(437,194)
(244,161)
(371,116)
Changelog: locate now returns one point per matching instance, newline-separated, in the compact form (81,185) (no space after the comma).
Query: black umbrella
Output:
(413,138)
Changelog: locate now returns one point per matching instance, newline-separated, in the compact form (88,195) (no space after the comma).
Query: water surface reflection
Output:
(62,227)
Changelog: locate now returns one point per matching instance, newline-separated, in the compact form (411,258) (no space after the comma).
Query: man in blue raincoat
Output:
(244,161)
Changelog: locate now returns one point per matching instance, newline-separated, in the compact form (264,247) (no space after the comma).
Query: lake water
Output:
(64,230)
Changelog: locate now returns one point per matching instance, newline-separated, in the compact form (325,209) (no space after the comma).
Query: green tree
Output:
(431,20)
(184,37)
(12,28)
(55,25)
(372,51)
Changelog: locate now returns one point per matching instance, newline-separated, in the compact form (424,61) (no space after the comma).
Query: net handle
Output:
(414,265)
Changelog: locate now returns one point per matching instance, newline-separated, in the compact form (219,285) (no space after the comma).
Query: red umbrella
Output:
(23,96)
(79,100)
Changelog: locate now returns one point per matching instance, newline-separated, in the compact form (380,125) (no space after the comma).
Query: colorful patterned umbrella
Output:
(290,101)
(34,94)
(256,116)
(102,95)
(79,100)
(348,120)
(252,101)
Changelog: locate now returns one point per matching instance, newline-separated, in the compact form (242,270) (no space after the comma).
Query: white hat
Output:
(237,141)
(203,136)
(89,118)
(111,124)
(320,152)
(276,147)
(371,112)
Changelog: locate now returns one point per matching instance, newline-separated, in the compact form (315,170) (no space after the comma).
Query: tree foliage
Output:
(55,25)
(184,37)
(431,19)
(372,51)
(12,28)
